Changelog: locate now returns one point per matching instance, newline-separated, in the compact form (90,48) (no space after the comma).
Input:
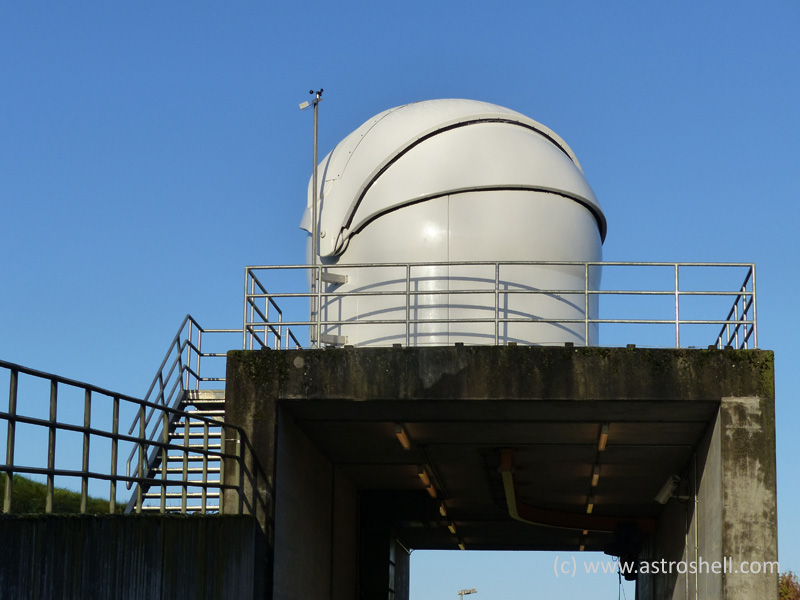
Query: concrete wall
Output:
(315,522)
(333,540)
(729,518)
(130,557)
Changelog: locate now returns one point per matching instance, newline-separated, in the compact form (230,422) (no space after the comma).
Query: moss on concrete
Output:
(485,372)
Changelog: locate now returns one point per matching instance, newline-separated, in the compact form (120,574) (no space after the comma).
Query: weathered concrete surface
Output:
(130,557)
(315,522)
(499,372)
(749,509)
(706,414)
(729,518)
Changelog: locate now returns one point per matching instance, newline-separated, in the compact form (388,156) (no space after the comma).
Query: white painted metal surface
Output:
(456,180)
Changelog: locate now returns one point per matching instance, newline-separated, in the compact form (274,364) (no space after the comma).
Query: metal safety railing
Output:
(716,299)
(62,430)
(262,329)
(661,303)
(184,369)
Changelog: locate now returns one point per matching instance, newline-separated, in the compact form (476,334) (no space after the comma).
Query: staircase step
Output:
(210,508)
(179,495)
(206,399)
(199,447)
(217,418)
(196,435)
(190,470)
(173,458)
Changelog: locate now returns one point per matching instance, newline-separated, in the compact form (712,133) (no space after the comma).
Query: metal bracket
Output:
(334,278)
(334,340)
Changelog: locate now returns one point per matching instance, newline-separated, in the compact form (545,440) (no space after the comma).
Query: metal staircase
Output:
(180,467)
(196,440)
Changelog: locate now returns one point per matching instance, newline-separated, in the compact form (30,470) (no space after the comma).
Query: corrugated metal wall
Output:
(128,556)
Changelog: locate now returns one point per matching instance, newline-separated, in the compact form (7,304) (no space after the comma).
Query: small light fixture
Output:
(595,475)
(423,476)
(431,491)
(601,443)
(402,436)
(585,532)
(582,548)
(590,504)
(442,509)
(452,527)
(461,546)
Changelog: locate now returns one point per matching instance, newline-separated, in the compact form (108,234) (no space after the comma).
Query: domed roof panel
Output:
(525,153)
(486,156)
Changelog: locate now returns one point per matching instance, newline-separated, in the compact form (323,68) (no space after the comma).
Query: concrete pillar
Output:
(315,521)
(720,542)
(311,549)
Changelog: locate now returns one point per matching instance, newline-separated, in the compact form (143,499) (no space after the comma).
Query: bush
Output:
(29,497)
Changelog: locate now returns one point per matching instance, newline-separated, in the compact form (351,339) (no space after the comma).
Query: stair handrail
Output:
(182,342)
(247,481)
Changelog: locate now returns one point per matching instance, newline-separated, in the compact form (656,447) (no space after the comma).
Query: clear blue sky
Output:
(150,150)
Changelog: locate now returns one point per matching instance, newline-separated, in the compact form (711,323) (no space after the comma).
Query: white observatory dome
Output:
(447,181)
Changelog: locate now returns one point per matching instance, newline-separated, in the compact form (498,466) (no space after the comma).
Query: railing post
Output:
(268,302)
(199,353)
(140,471)
(497,303)
(164,460)
(87,423)
(204,491)
(185,489)
(51,447)
(223,450)
(318,284)
(745,328)
(161,387)
(677,310)
(12,413)
(112,500)
(586,304)
(240,468)
(755,320)
(185,383)
(408,305)
(244,308)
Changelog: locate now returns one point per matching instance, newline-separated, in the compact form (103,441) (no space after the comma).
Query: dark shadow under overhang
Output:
(464,408)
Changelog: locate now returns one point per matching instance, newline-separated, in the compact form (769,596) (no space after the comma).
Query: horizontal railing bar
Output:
(171,495)
(150,481)
(502,292)
(73,383)
(367,322)
(340,267)
(191,470)
(66,381)
(45,423)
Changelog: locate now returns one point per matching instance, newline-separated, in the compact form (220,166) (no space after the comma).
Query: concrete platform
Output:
(348,494)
